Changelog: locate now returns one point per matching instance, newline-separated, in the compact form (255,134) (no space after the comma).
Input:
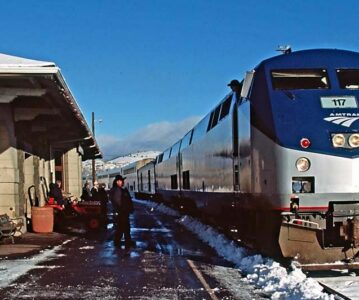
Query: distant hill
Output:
(124,160)
(117,162)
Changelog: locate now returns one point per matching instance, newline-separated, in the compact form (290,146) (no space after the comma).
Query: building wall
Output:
(72,174)
(11,163)
(20,170)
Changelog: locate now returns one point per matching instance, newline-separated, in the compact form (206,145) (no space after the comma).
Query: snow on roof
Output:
(9,61)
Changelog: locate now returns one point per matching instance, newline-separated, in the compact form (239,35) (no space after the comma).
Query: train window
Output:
(160,158)
(187,139)
(186,183)
(166,154)
(213,121)
(174,182)
(348,79)
(210,121)
(176,148)
(200,129)
(129,170)
(216,116)
(300,79)
(226,106)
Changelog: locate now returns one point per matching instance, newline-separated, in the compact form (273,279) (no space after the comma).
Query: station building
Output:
(43,134)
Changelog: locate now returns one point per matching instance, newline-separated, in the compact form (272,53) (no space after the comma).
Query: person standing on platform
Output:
(86,194)
(56,192)
(100,195)
(95,192)
(123,206)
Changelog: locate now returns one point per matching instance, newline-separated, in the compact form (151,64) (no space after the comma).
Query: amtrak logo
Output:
(343,119)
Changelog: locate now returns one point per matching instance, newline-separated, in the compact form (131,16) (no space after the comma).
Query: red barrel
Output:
(42,219)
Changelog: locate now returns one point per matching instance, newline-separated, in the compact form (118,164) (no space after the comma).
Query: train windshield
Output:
(348,79)
(300,79)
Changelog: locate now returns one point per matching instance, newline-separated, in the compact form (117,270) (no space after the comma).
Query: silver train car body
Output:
(129,171)
(264,164)
(106,177)
(146,181)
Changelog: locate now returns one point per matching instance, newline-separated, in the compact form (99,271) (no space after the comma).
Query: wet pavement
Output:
(168,262)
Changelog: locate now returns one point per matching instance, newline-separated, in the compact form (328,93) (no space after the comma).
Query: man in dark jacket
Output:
(99,194)
(123,206)
(56,192)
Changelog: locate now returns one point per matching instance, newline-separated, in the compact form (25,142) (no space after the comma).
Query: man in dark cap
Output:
(123,206)
(236,86)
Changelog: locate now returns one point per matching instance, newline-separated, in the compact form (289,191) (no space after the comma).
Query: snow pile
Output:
(263,272)
(160,207)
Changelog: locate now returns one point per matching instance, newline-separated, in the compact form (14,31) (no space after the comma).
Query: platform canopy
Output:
(44,110)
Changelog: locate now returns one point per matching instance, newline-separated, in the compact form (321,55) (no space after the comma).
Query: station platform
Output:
(29,244)
(167,262)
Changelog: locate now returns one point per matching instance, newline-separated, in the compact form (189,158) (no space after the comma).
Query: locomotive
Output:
(277,164)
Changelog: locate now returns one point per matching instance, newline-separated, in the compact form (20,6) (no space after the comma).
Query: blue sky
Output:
(151,69)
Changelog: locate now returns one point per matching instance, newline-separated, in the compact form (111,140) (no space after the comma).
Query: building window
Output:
(174,183)
(186,182)
(141,182)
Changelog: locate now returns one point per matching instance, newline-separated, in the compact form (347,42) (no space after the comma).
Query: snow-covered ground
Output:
(10,270)
(263,273)
(260,271)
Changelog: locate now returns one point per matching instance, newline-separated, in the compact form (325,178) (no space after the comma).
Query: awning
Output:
(44,110)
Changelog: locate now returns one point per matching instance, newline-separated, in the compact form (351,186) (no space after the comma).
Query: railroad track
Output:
(343,284)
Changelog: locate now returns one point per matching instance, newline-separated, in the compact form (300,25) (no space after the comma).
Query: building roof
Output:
(8,61)
(45,110)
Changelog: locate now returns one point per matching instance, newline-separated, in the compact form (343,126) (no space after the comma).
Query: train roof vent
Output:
(287,49)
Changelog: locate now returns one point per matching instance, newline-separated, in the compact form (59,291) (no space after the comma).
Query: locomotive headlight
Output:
(302,164)
(338,140)
(354,140)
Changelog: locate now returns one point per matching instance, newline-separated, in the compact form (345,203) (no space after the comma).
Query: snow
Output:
(159,207)
(86,248)
(263,272)
(117,163)
(346,283)
(10,270)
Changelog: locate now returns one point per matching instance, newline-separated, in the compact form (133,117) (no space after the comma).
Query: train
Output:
(275,164)
(133,183)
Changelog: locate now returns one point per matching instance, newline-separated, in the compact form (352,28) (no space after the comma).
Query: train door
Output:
(179,168)
(149,181)
(244,136)
(236,186)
